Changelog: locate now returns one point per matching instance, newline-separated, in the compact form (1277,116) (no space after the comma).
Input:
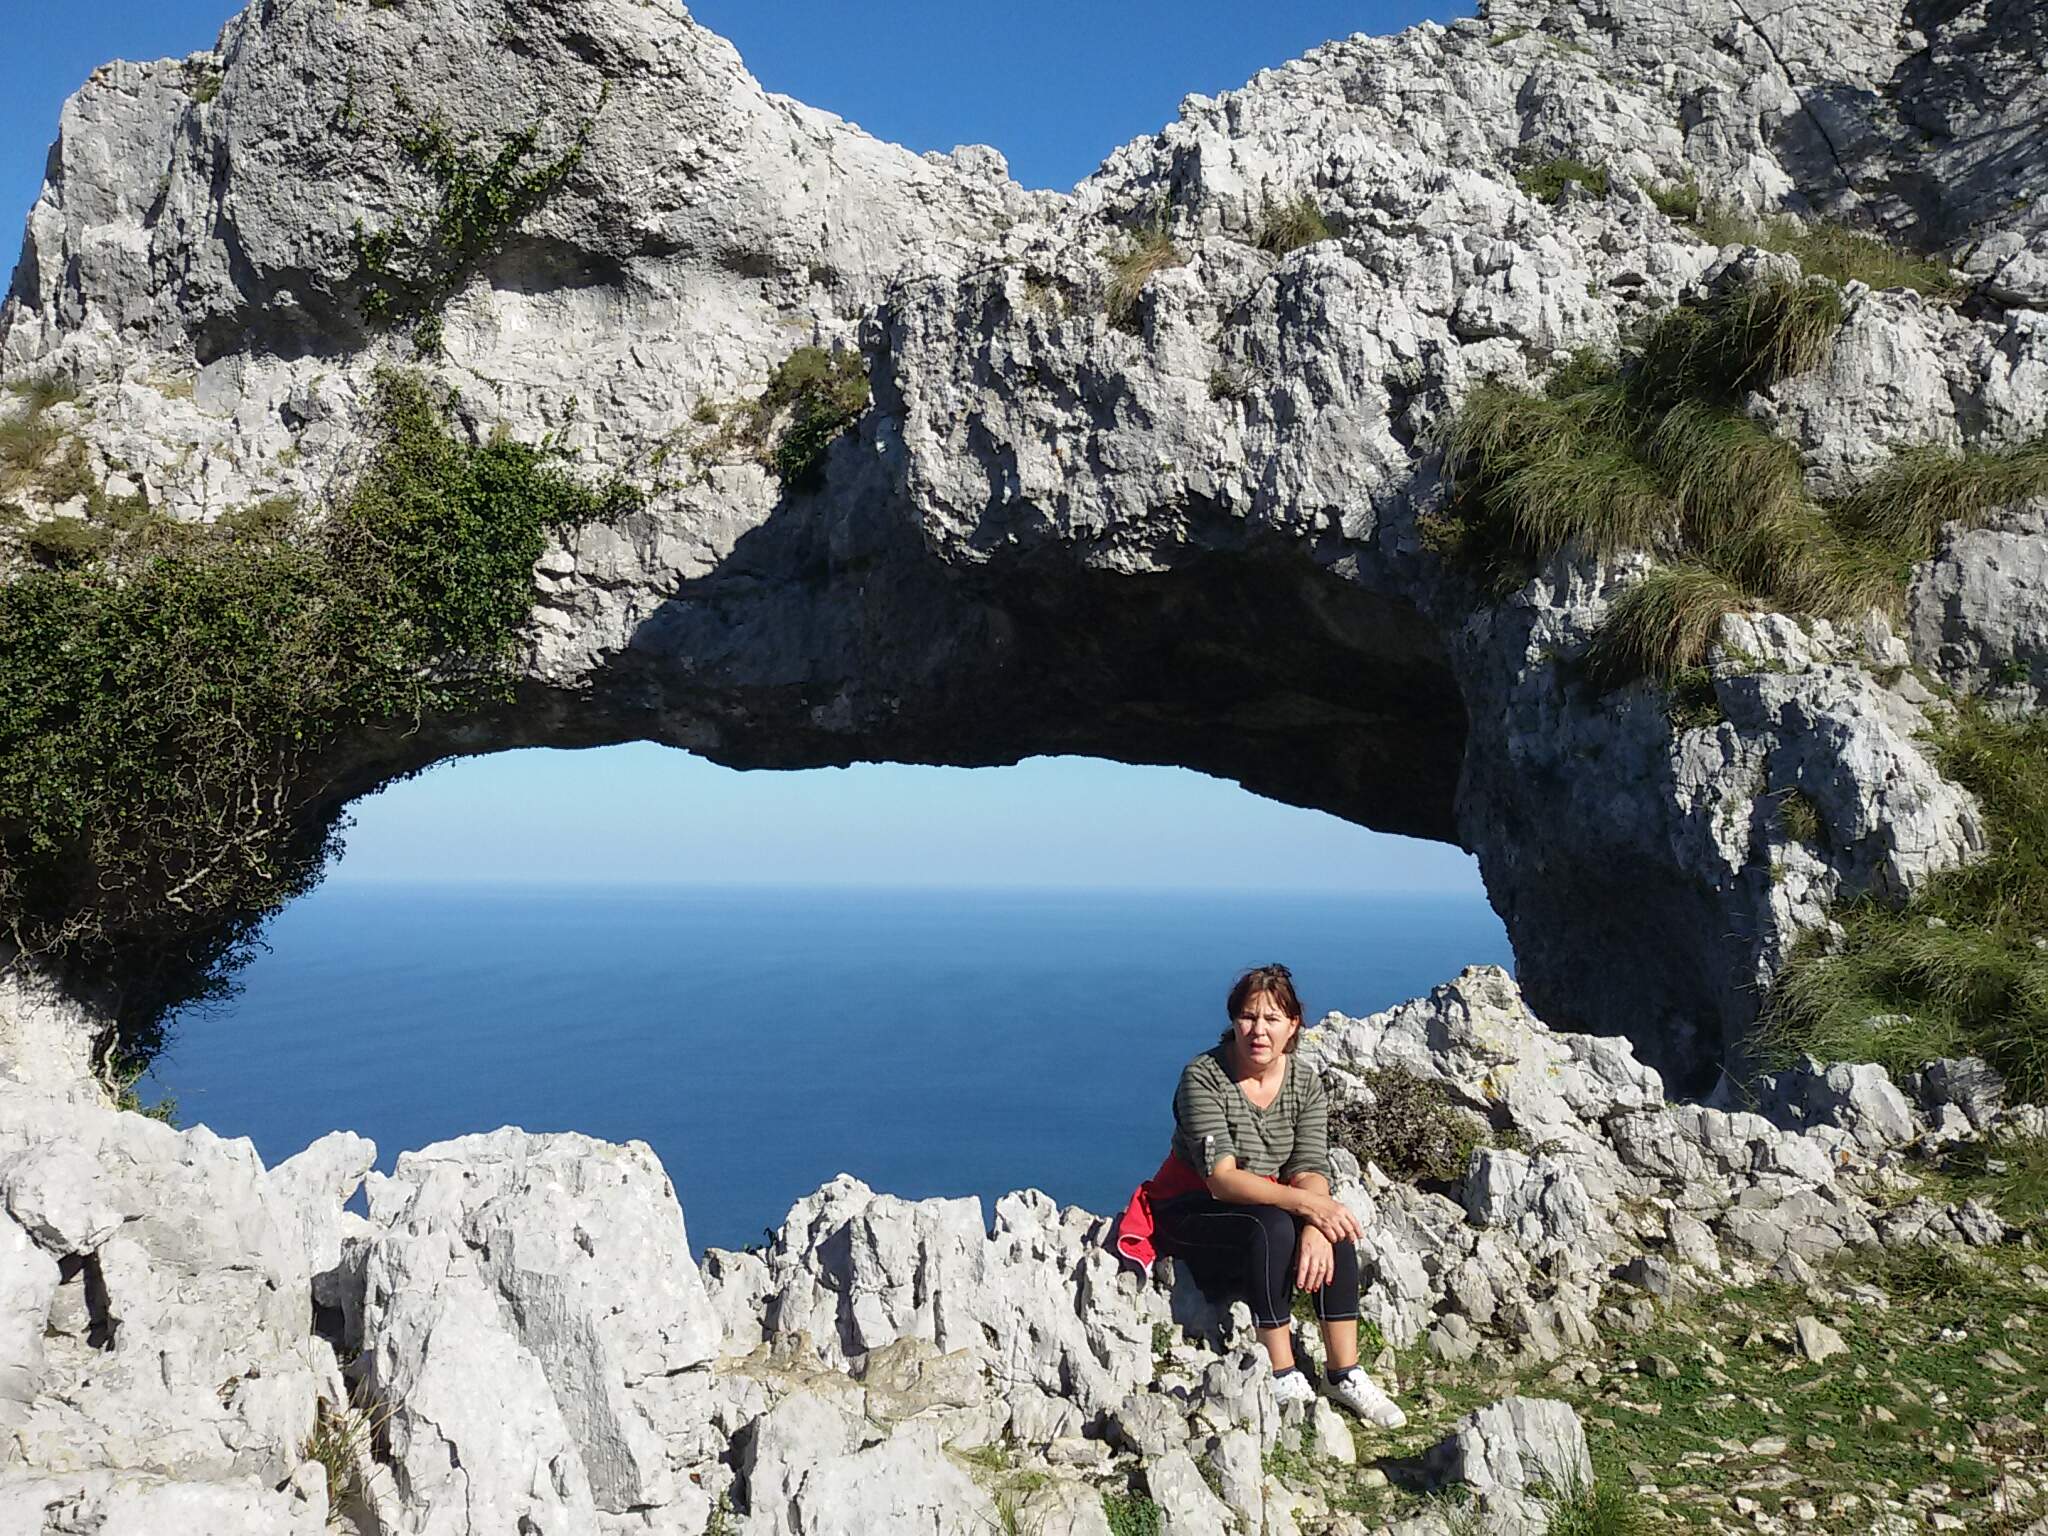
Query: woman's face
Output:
(1263,1030)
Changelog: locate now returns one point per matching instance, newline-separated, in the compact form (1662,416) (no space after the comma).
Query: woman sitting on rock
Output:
(1246,1191)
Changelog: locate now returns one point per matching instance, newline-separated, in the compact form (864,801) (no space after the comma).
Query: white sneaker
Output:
(1292,1388)
(1361,1395)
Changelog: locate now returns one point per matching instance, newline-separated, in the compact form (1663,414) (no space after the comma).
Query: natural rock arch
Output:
(1195,536)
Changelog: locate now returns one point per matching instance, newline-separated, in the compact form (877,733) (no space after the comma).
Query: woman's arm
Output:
(1231,1184)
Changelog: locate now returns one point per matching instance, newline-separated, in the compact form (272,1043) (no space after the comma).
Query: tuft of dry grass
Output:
(1147,252)
(1290,225)
(1904,505)
(1663,623)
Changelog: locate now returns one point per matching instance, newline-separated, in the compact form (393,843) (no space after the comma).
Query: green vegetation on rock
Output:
(1546,179)
(1130,1514)
(1131,267)
(1290,225)
(1412,1129)
(408,271)
(1824,248)
(1960,970)
(815,395)
(1655,454)
(165,703)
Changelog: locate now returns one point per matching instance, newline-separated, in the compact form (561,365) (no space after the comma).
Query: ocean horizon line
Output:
(1023,888)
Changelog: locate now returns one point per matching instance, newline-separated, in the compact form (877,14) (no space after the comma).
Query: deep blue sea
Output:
(762,1040)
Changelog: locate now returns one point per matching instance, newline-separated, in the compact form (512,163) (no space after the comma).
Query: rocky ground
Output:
(1826,1310)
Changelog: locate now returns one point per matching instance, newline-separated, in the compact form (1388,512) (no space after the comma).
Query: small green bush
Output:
(1961,969)
(1412,1128)
(1131,268)
(408,271)
(1130,1514)
(816,395)
(1546,179)
(1290,225)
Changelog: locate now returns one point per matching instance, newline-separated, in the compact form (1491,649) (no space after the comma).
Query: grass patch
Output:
(1132,266)
(1546,179)
(30,441)
(1912,1405)
(1290,225)
(163,703)
(1801,818)
(1679,200)
(1959,970)
(340,1443)
(1904,505)
(1653,452)
(1412,1128)
(1827,249)
(1606,1508)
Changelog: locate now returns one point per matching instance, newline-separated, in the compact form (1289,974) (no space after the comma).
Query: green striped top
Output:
(1213,1119)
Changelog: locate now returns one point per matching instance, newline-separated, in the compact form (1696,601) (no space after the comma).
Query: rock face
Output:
(1190,538)
(531,1347)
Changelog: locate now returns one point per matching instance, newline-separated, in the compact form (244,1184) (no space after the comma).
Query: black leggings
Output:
(1253,1244)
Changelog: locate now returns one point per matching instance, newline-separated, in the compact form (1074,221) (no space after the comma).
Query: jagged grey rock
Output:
(530,1304)
(1039,499)
(1978,611)
(1518,1444)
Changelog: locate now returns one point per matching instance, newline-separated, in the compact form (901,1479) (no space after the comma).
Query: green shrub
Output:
(408,271)
(1959,970)
(1131,268)
(1412,1128)
(1546,179)
(1130,1514)
(1289,226)
(274,517)
(816,395)
(162,707)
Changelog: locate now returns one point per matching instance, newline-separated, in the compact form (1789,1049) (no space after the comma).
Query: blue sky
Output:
(1055,85)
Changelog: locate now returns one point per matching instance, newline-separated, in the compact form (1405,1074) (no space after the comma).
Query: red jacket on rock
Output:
(1135,1227)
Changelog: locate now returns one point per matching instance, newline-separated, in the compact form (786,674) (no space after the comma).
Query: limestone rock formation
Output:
(1178,529)
(530,1345)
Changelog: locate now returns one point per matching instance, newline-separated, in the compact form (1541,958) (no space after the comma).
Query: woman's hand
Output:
(1314,1261)
(1327,1216)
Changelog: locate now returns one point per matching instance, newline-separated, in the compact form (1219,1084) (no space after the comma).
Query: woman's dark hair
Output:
(1275,982)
